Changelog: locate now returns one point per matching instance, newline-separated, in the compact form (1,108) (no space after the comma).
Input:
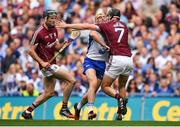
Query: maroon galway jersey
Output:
(45,40)
(116,33)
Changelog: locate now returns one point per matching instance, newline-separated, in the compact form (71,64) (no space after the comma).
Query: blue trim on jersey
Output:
(89,43)
(98,66)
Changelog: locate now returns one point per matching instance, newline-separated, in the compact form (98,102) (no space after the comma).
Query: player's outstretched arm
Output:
(62,24)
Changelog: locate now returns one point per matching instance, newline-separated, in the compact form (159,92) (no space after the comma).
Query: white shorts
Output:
(119,65)
(49,72)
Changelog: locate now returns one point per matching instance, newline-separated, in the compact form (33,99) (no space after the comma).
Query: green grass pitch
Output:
(84,123)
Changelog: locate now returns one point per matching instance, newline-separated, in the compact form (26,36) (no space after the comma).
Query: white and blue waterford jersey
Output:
(96,58)
(95,51)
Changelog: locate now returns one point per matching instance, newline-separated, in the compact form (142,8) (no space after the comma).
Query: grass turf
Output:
(84,123)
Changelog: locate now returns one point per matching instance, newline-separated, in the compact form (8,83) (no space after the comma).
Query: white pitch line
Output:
(89,126)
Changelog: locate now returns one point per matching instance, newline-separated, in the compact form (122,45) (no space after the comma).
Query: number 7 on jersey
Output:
(120,34)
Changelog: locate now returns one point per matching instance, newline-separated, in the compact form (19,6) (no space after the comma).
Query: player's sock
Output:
(117,96)
(79,105)
(64,105)
(90,107)
(31,108)
(120,102)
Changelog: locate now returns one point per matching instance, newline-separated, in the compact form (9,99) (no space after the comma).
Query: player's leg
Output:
(99,67)
(109,77)
(113,70)
(84,100)
(78,106)
(122,110)
(95,83)
(93,87)
(70,81)
(92,80)
(106,86)
(49,84)
(122,80)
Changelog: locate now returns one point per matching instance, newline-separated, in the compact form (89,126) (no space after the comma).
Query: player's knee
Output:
(50,93)
(103,88)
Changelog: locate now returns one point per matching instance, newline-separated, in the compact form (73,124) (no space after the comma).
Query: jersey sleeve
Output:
(102,27)
(35,39)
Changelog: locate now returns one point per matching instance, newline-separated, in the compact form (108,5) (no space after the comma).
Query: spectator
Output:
(79,90)
(139,82)
(153,82)
(144,56)
(148,8)
(146,89)
(177,85)
(22,84)
(129,11)
(2,86)
(3,47)
(177,57)
(163,58)
(10,75)
(37,83)
(30,91)
(9,80)
(8,60)
(164,88)
(173,15)
(132,87)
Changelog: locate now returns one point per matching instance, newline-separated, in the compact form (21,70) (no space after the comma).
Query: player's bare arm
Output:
(62,24)
(33,54)
(95,36)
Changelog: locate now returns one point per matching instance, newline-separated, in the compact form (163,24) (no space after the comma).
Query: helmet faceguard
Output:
(49,13)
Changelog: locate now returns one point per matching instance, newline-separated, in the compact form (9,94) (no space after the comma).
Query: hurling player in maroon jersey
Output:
(120,63)
(44,43)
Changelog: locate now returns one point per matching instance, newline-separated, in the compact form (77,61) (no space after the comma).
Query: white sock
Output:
(120,102)
(79,106)
(27,111)
(90,106)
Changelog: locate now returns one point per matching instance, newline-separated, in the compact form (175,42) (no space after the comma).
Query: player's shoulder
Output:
(104,25)
(109,23)
(120,24)
(39,30)
(101,24)
(37,34)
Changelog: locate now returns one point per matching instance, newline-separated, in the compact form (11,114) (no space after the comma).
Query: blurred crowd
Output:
(154,37)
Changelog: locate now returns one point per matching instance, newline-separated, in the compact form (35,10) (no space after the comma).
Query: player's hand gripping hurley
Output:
(73,35)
